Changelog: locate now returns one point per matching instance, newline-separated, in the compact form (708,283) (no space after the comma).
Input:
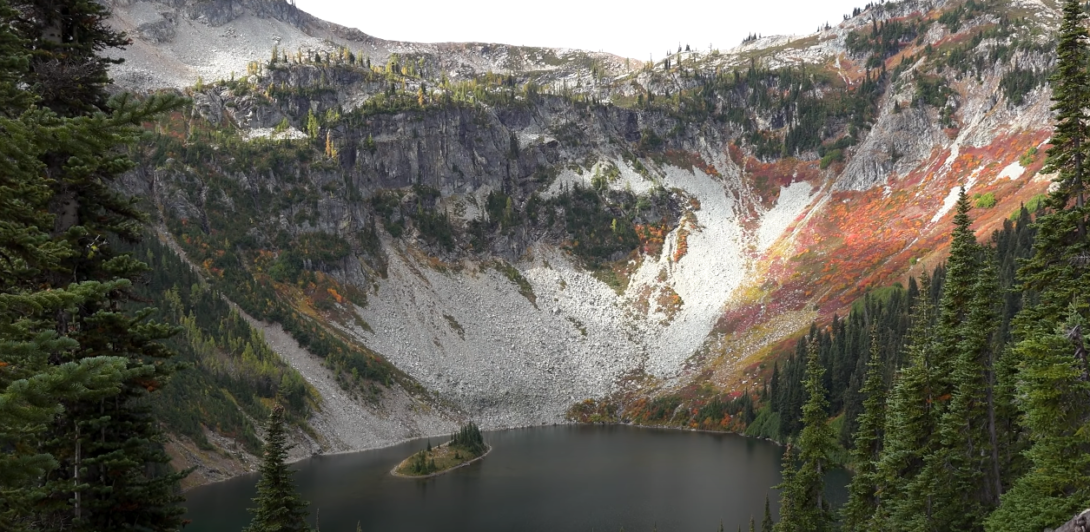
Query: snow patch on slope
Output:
(270,133)
(1012,171)
(630,179)
(565,180)
(951,199)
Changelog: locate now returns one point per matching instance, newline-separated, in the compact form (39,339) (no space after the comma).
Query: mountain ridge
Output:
(216,39)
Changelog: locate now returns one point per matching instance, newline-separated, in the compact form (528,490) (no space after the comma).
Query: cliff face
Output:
(519,229)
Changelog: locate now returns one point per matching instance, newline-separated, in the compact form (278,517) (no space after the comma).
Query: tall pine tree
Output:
(863,490)
(955,481)
(957,292)
(1056,400)
(804,507)
(111,472)
(30,385)
(911,419)
(279,506)
(1052,372)
(45,364)
(766,521)
(1057,269)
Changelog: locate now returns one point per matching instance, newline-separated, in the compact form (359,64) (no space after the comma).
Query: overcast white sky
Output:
(631,29)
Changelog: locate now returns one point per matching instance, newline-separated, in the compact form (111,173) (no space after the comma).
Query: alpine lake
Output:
(552,478)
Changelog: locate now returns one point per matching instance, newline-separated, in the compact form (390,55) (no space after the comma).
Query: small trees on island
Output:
(465,445)
(469,438)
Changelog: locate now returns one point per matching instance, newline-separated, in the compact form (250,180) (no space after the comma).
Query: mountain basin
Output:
(550,478)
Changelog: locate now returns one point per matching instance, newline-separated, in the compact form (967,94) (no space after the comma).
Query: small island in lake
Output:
(465,446)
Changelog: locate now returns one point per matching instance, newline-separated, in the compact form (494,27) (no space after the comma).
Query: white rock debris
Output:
(470,336)
(792,201)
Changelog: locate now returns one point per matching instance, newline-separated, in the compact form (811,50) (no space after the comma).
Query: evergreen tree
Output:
(68,347)
(1054,271)
(313,127)
(911,418)
(279,506)
(957,291)
(66,70)
(863,490)
(1056,396)
(766,521)
(111,471)
(30,385)
(953,490)
(803,507)
(789,493)
(1052,372)
(961,468)
(978,388)
(469,438)
(773,385)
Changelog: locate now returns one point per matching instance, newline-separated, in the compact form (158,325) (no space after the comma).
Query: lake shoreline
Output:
(386,445)
(685,429)
(516,427)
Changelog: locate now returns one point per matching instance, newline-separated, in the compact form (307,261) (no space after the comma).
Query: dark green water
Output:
(564,478)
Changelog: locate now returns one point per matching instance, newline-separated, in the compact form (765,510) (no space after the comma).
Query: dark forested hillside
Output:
(230,376)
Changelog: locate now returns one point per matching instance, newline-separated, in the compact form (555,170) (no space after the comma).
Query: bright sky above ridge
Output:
(630,29)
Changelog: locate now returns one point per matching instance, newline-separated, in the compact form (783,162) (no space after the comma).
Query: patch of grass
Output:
(985,200)
(516,277)
(456,326)
(833,156)
(578,325)
(1032,205)
(1029,157)
(610,276)
(593,411)
(669,303)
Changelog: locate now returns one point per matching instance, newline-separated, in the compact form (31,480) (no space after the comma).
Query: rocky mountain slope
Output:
(517,230)
(177,41)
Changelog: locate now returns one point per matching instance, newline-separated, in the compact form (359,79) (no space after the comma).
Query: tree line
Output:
(985,423)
